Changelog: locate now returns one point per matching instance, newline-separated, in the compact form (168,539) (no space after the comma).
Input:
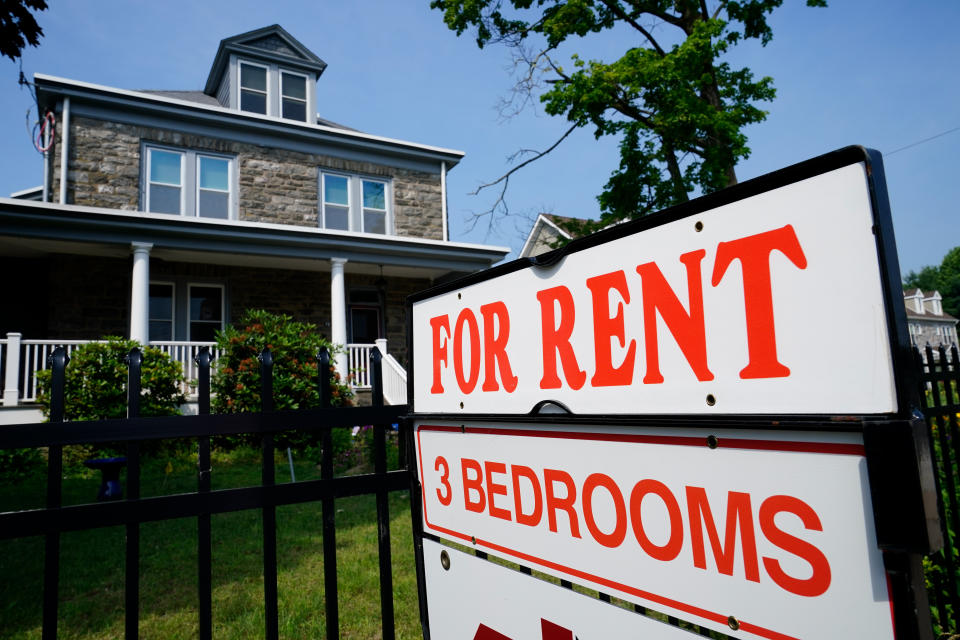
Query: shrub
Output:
(96,382)
(294,346)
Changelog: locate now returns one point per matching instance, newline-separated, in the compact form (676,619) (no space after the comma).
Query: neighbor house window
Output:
(161,311)
(355,203)
(189,183)
(206,312)
(253,88)
(293,96)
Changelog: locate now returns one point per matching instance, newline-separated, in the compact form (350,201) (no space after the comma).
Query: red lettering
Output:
(551,631)
(557,339)
(439,349)
(475,483)
(738,510)
(674,544)
(531,519)
(605,327)
(687,328)
(753,252)
(494,489)
(469,320)
(446,496)
(615,537)
(819,582)
(495,347)
(550,476)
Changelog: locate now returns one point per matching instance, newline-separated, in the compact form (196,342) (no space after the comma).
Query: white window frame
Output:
(173,308)
(223,305)
(266,69)
(306,95)
(355,200)
(149,171)
(190,179)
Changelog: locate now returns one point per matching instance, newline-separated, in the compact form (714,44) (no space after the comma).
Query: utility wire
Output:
(919,142)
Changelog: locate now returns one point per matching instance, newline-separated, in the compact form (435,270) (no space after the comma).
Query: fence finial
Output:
(266,380)
(323,376)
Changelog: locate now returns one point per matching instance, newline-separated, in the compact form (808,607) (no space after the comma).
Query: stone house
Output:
(927,322)
(165,214)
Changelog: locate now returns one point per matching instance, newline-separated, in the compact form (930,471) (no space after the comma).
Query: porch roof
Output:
(30,228)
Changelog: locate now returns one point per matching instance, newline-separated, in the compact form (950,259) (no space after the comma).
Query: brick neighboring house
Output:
(927,322)
(165,214)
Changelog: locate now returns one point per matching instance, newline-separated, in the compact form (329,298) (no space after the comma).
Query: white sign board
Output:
(474,599)
(771,304)
(773,528)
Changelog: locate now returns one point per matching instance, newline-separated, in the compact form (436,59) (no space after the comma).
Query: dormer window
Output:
(293,96)
(253,88)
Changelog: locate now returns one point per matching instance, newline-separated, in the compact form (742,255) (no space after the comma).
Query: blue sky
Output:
(880,74)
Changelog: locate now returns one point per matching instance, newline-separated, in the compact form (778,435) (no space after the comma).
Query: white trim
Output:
(266,81)
(541,218)
(306,94)
(223,303)
(64,148)
(120,214)
(236,112)
(355,206)
(23,192)
(443,199)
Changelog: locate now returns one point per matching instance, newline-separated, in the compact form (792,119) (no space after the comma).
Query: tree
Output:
(679,109)
(944,278)
(18,27)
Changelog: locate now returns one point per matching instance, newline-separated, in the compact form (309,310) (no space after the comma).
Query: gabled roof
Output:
(272,44)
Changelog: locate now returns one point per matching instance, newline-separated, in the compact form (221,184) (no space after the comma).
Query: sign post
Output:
(707,413)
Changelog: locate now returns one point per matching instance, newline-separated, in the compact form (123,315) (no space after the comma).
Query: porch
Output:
(21,359)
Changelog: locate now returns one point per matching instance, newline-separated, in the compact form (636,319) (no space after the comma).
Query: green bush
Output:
(294,346)
(96,382)
(19,464)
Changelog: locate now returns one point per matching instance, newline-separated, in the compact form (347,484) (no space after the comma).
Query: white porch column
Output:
(11,393)
(338,311)
(140,293)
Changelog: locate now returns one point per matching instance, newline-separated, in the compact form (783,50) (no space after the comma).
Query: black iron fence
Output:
(133,510)
(940,378)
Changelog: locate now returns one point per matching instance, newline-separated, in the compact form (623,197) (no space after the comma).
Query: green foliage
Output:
(18,27)
(18,464)
(294,346)
(96,382)
(678,108)
(944,278)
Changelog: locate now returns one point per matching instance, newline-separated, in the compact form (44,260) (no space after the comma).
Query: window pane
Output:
(205,303)
(213,204)
(335,190)
(252,77)
(294,86)
(164,167)
(364,325)
(214,173)
(161,302)
(336,217)
(164,199)
(294,110)
(374,221)
(374,195)
(161,330)
(204,331)
(255,102)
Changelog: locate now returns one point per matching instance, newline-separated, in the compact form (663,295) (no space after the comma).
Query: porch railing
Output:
(20,360)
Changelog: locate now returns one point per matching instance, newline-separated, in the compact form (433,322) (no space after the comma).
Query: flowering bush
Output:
(294,346)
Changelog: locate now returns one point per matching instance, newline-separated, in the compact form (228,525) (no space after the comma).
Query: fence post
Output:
(57,361)
(383,506)
(11,392)
(324,378)
(204,559)
(134,361)
(269,510)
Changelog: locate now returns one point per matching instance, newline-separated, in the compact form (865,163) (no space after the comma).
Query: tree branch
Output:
(615,7)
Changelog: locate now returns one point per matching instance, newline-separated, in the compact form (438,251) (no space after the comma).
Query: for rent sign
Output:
(774,530)
(768,304)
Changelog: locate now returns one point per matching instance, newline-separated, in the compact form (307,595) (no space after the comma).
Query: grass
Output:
(92,562)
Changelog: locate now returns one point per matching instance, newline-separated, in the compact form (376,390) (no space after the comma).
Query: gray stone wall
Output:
(276,185)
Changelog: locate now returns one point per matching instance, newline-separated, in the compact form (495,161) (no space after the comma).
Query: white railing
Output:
(394,381)
(358,365)
(33,358)
(184,352)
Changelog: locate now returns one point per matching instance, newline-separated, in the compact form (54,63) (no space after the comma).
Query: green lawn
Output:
(92,563)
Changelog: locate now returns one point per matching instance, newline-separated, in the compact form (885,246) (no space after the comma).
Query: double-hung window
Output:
(354,203)
(253,88)
(189,183)
(293,96)
(206,311)
(161,311)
